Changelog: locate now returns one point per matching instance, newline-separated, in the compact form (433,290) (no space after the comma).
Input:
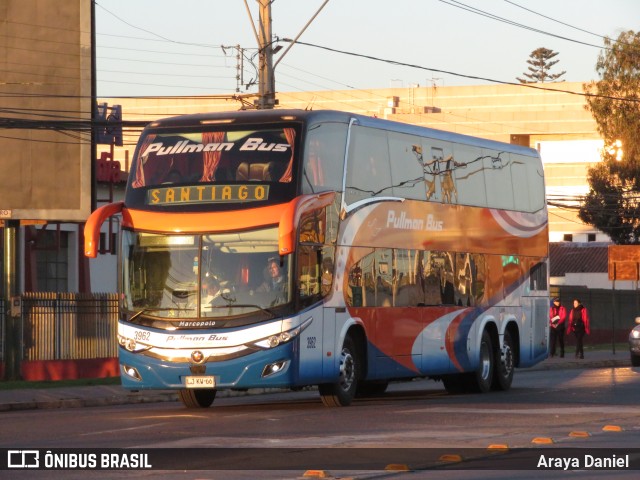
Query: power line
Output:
(164,52)
(477,11)
(161,63)
(556,20)
(153,33)
(472,77)
(164,85)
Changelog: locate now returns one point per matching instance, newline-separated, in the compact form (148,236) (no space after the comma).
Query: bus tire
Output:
(505,364)
(342,392)
(482,379)
(197,398)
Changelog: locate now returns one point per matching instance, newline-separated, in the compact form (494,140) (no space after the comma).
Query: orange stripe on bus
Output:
(201,222)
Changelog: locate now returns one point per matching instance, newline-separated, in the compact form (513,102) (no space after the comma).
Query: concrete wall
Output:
(45,66)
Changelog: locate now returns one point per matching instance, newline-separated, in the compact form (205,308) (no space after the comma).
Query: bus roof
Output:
(242,117)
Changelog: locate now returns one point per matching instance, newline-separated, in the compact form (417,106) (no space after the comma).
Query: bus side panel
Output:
(391,333)
(310,358)
(439,337)
(534,339)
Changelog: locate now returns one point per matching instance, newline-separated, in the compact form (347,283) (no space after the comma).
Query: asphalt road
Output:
(594,410)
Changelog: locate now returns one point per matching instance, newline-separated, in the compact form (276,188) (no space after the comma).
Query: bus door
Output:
(328,341)
(319,337)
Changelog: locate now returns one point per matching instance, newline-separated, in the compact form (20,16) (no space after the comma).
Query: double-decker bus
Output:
(288,248)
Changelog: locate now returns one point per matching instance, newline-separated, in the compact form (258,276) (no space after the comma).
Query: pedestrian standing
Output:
(557,317)
(579,324)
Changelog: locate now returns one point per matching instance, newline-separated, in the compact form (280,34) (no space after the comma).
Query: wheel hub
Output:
(347,370)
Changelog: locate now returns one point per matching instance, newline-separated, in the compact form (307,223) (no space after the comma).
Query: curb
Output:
(88,402)
(140,397)
(576,364)
(130,398)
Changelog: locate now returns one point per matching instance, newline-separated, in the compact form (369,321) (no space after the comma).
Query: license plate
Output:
(201,381)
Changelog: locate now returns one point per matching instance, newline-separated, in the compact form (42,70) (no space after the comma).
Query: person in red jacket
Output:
(579,324)
(557,317)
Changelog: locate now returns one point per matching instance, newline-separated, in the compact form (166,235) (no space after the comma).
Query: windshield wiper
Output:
(155,309)
(245,305)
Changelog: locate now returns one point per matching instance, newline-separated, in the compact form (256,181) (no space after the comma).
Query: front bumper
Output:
(251,371)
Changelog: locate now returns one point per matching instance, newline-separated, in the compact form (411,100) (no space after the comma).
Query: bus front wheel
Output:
(197,398)
(341,393)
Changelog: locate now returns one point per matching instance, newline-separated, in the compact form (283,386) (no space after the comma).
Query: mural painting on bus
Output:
(433,239)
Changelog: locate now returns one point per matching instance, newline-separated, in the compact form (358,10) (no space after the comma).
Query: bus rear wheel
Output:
(479,381)
(482,378)
(197,398)
(342,392)
(505,364)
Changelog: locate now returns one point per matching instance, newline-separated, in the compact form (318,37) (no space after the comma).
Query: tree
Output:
(540,64)
(613,202)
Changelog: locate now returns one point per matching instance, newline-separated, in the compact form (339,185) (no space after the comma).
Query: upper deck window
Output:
(190,167)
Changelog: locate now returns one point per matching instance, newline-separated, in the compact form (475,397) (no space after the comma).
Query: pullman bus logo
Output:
(197,356)
(23,459)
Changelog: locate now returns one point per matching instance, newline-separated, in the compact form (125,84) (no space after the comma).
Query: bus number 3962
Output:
(142,336)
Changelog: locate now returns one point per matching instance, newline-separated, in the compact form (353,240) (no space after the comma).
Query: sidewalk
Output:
(104,395)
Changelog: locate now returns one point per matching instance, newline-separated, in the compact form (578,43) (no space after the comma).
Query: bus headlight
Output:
(275,340)
(131,345)
(131,372)
(274,368)
(284,337)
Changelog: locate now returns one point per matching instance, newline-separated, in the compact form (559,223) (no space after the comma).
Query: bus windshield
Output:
(191,167)
(211,275)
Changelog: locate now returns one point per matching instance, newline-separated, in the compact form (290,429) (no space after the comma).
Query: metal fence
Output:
(612,313)
(62,326)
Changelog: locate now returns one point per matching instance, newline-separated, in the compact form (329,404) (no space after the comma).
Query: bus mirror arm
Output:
(93,224)
(291,215)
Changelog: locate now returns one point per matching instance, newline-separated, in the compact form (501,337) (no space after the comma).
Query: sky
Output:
(166,48)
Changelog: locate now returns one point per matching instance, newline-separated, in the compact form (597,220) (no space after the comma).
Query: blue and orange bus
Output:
(288,248)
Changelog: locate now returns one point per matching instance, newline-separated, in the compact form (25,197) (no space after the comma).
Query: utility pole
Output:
(10,282)
(267,81)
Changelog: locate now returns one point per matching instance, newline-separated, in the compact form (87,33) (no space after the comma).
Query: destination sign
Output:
(207,194)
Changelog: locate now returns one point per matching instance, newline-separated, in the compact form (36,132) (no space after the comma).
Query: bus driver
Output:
(275,280)
(212,293)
